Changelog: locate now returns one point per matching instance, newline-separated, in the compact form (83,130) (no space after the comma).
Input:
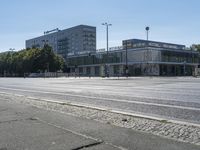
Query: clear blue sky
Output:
(176,21)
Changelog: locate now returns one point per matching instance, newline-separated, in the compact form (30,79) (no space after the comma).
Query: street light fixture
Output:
(147,29)
(107,25)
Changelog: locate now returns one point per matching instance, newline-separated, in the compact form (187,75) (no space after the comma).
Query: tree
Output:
(196,47)
(30,60)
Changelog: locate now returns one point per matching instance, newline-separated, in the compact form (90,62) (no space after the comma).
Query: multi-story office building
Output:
(76,40)
(141,57)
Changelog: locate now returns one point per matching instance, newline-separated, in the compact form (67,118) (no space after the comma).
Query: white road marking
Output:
(107,99)
(139,92)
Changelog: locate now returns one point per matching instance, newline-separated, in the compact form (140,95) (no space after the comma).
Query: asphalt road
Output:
(24,127)
(171,98)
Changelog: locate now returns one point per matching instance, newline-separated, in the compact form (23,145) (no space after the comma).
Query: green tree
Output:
(30,60)
(196,47)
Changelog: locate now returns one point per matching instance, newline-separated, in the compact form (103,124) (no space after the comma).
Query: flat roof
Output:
(149,41)
(71,28)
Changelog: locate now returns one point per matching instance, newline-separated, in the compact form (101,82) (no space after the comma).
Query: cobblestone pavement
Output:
(178,131)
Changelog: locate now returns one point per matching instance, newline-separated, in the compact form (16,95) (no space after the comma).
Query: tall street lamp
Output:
(147,29)
(107,25)
(45,44)
(11,49)
(148,57)
(184,63)
(126,70)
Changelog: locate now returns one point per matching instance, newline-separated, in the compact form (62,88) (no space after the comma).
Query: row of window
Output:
(168,56)
(119,57)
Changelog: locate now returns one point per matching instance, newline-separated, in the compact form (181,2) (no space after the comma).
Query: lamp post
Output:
(47,65)
(107,25)
(126,70)
(184,67)
(148,66)
(11,49)
(147,29)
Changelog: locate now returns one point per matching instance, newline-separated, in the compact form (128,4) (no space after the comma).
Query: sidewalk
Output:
(24,127)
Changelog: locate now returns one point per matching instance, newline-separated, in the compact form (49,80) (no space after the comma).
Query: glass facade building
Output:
(143,58)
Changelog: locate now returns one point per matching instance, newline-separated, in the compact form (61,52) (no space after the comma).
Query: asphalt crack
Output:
(2,110)
(16,120)
(88,145)
(9,121)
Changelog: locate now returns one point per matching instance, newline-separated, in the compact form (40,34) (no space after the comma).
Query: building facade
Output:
(139,57)
(134,57)
(76,40)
